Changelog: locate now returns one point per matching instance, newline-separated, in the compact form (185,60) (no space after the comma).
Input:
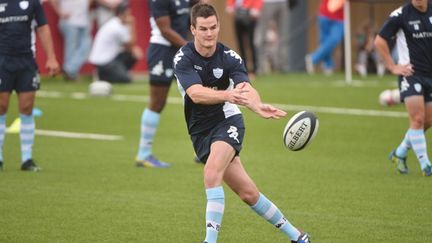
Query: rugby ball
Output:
(300,130)
(100,88)
(389,97)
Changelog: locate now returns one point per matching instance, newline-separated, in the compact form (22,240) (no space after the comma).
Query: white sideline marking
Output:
(343,111)
(287,107)
(64,134)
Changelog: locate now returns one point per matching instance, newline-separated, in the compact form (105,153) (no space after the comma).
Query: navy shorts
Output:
(160,64)
(231,130)
(415,85)
(19,74)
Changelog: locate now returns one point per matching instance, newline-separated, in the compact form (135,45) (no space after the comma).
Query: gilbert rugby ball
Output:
(300,130)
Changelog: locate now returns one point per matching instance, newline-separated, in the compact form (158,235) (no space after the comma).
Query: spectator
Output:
(114,51)
(245,13)
(74,24)
(273,12)
(331,32)
(105,10)
(366,51)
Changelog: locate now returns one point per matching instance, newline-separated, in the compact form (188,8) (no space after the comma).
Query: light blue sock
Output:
(2,134)
(405,145)
(149,123)
(266,209)
(214,212)
(418,143)
(27,134)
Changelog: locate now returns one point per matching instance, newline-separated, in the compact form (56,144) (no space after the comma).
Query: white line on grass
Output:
(64,134)
(287,107)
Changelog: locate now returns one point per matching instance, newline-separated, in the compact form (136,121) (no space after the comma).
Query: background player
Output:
(18,68)
(170,26)
(412,26)
(213,81)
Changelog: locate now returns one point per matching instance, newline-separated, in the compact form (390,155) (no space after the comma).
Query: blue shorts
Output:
(19,74)
(415,85)
(160,64)
(231,130)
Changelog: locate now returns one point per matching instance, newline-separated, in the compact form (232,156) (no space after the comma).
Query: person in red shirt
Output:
(331,32)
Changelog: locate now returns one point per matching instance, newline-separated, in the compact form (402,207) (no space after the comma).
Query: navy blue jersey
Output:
(177,10)
(16,25)
(413,32)
(222,71)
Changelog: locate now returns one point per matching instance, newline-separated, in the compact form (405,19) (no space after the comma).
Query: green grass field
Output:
(341,188)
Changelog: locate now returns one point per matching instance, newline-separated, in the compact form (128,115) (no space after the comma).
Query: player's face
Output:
(206,31)
(420,4)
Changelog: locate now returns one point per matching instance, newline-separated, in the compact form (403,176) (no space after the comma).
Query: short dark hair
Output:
(202,10)
(122,7)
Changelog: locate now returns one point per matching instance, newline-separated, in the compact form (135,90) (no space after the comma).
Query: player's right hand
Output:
(404,70)
(238,96)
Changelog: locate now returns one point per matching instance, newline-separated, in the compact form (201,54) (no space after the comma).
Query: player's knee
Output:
(26,109)
(157,105)
(212,178)
(249,196)
(418,122)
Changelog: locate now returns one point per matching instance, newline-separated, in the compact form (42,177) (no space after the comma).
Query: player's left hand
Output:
(268,111)
(53,67)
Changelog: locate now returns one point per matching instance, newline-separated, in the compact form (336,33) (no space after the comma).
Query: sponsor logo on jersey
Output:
(234,54)
(3,7)
(198,67)
(178,57)
(10,19)
(24,5)
(217,72)
(422,35)
(397,12)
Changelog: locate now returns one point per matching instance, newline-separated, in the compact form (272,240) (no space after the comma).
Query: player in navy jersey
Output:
(213,80)
(18,68)
(412,27)
(169,29)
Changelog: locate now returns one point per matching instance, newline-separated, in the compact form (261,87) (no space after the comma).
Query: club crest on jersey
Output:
(24,5)
(217,72)
(430,20)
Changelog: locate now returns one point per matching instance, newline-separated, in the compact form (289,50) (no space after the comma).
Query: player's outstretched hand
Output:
(268,111)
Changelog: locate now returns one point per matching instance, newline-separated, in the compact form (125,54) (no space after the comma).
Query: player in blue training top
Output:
(18,68)
(213,81)
(412,27)
(169,29)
